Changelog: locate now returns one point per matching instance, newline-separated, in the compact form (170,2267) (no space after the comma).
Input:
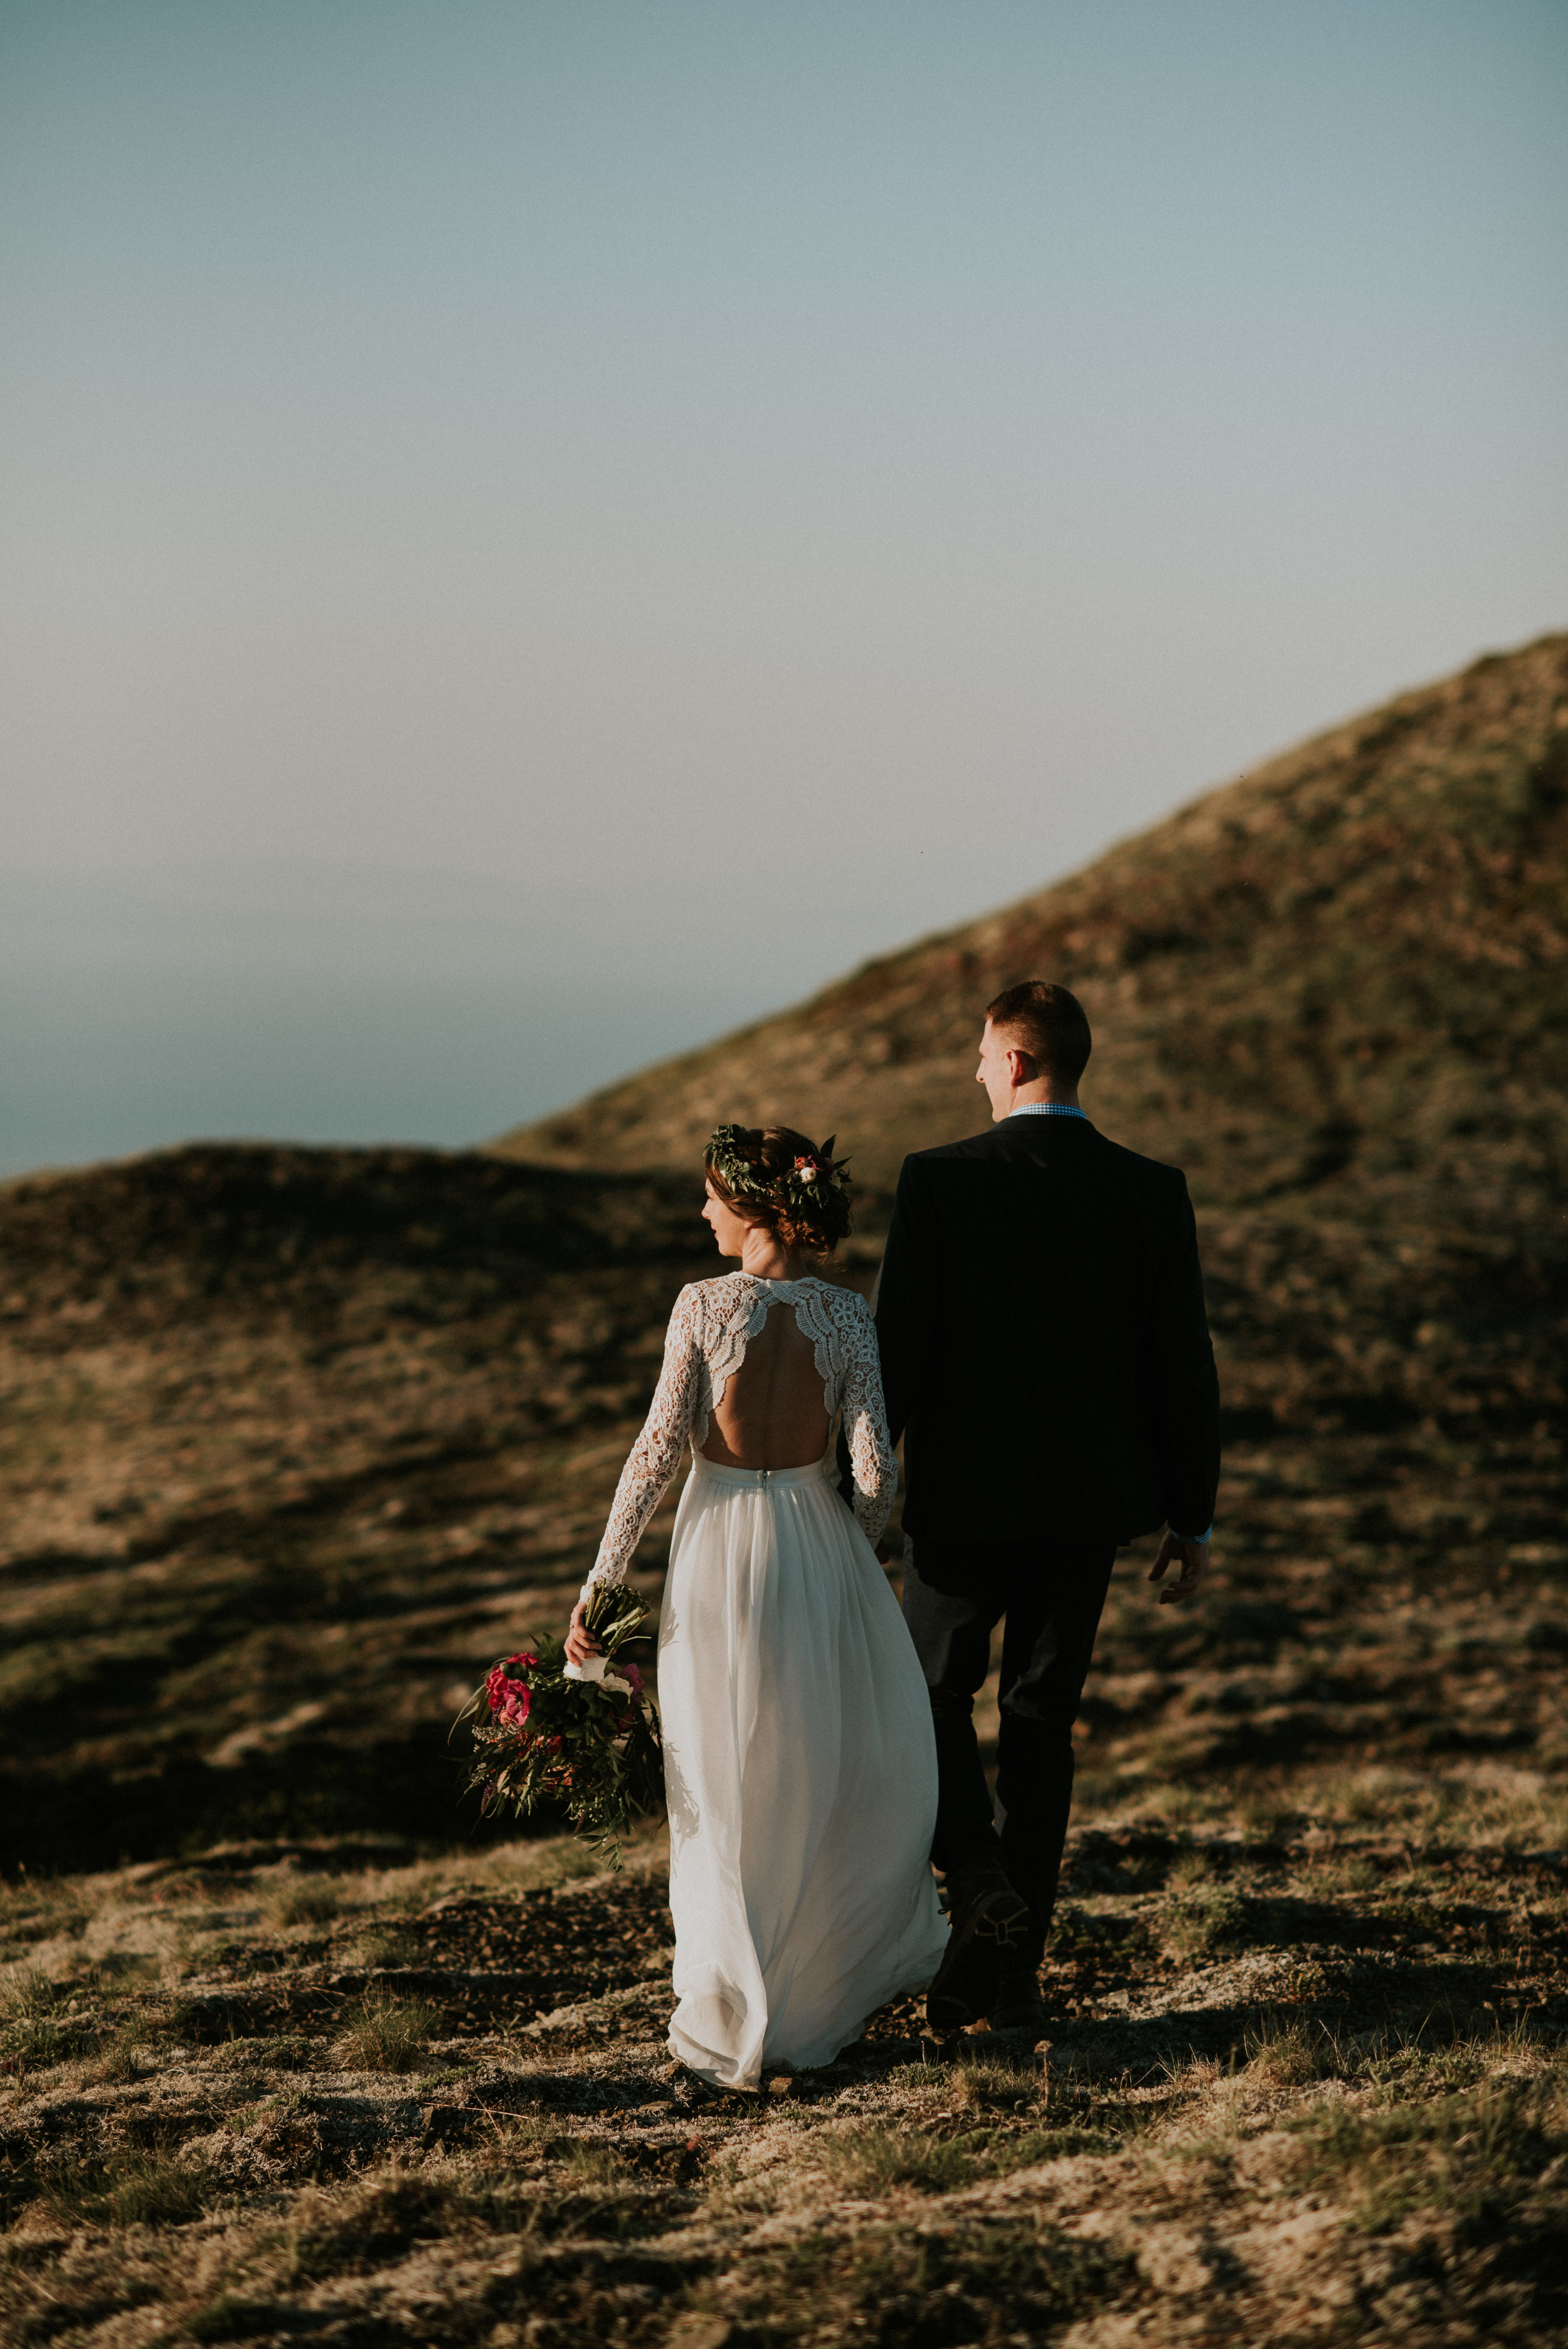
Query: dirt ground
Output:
(1305,2079)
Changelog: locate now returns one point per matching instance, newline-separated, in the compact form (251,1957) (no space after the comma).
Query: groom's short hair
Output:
(1049,1023)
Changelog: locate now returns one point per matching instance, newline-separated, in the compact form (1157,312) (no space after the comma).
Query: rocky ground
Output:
(1306,2080)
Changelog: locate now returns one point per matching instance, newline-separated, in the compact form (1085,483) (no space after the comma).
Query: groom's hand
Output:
(1193,1559)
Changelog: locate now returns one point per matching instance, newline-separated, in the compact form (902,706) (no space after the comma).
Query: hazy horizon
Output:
(540,531)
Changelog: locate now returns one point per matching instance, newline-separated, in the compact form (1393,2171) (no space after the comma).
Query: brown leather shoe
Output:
(989,1925)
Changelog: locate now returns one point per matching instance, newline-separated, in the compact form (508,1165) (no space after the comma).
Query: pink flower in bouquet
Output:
(630,1673)
(510,1698)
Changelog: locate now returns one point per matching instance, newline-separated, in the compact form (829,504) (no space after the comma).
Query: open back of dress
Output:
(774,1413)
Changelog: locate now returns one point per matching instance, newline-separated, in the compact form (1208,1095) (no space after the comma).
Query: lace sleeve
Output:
(657,1453)
(865,1422)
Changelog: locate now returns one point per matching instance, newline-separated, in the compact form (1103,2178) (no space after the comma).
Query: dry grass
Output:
(134,2188)
(305,1900)
(385,2033)
(1356,2096)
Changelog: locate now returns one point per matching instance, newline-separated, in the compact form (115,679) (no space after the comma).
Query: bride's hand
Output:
(580,1641)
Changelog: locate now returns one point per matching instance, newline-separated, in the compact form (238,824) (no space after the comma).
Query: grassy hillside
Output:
(1342,979)
(294,1442)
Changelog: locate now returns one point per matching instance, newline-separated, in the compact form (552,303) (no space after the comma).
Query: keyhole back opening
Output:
(773,1412)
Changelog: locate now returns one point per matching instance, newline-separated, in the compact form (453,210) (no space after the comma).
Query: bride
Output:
(799,1759)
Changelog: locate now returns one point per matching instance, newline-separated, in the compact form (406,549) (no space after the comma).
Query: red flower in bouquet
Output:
(508,1697)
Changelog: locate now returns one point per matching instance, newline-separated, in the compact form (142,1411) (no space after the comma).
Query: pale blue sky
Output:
(536,532)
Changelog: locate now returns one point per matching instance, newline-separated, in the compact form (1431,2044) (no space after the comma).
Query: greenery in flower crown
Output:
(800,1187)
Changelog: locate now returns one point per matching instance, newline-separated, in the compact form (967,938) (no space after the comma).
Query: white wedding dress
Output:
(800,1764)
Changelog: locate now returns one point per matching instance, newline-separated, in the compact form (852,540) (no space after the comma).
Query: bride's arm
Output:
(872,1455)
(651,1463)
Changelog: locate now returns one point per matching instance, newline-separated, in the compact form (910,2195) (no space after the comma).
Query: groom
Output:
(1045,1356)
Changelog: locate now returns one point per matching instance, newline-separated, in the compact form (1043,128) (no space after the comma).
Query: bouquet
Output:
(585,1735)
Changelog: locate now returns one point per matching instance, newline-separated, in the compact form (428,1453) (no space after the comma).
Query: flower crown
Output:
(802,1185)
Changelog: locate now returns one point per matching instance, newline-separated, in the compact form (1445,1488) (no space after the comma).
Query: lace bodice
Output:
(712,1324)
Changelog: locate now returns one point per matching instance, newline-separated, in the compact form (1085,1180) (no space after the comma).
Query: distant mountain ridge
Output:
(1339,977)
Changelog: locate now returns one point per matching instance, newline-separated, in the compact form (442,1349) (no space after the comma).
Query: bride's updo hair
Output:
(776,1177)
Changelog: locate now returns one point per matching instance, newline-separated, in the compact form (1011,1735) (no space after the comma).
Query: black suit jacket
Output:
(1045,1349)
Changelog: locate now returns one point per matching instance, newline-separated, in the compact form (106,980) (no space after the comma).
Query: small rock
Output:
(782,2087)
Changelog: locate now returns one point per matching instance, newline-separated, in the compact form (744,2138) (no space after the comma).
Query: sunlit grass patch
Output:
(999,2087)
(303,1901)
(26,1994)
(1203,2108)
(369,2226)
(1288,2054)
(280,2052)
(1198,1913)
(191,1949)
(36,2031)
(1266,1818)
(935,2073)
(1065,2144)
(404,1891)
(38,2043)
(142,2188)
(35,1910)
(1473,2151)
(390,1946)
(1486,1804)
(870,2160)
(593,2165)
(978,2280)
(867,2161)
(385,2033)
(525,1866)
(125,2052)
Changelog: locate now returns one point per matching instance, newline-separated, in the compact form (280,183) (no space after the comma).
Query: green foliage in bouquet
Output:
(590,1741)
